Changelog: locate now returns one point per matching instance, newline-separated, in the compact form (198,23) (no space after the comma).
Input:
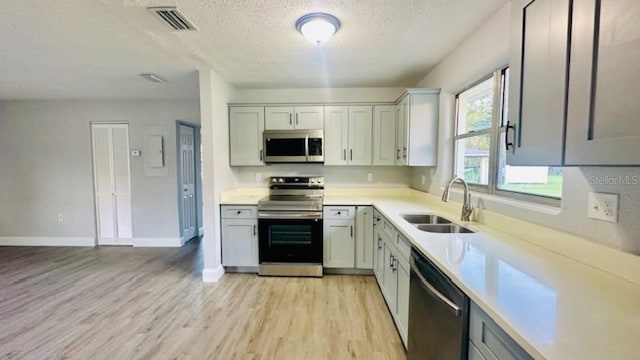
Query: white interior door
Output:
(187,181)
(112,183)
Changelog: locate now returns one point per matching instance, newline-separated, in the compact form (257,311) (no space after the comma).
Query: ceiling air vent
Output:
(171,16)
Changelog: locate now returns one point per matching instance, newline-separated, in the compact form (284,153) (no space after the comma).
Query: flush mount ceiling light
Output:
(154,77)
(318,27)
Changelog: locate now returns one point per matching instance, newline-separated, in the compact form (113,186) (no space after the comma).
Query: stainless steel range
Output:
(290,227)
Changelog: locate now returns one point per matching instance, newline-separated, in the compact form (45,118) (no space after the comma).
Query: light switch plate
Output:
(603,206)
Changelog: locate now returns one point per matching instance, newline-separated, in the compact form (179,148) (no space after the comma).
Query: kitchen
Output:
(418,189)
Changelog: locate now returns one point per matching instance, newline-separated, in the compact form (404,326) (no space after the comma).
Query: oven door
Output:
(286,239)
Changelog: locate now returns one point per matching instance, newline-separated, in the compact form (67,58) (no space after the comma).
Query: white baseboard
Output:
(157,242)
(46,241)
(212,274)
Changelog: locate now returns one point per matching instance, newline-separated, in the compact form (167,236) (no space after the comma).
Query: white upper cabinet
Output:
(384,135)
(336,135)
(347,135)
(290,117)
(245,135)
(538,81)
(360,129)
(603,115)
(417,127)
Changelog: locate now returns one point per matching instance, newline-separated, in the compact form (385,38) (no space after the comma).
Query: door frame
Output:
(197,177)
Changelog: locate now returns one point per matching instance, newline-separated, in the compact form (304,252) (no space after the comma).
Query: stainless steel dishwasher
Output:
(438,314)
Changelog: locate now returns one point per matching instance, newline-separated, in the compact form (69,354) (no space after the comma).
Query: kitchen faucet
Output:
(467,209)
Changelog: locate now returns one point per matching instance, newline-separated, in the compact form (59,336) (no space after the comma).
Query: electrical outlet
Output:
(258,177)
(603,206)
(423,179)
(60,217)
(369,177)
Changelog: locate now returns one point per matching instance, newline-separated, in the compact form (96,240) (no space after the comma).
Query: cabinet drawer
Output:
(239,212)
(403,246)
(339,212)
(490,340)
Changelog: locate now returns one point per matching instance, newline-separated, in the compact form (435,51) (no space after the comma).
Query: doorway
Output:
(112,183)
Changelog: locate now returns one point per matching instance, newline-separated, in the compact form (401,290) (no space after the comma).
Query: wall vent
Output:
(171,16)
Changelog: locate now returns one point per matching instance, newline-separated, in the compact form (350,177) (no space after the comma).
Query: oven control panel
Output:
(299,181)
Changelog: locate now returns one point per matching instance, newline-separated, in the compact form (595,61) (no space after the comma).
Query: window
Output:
(480,156)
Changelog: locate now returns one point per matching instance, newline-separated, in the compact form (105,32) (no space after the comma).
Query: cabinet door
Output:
(336,135)
(401,134)
(390,278)
(239,242)
(384,135)
(278,118)
(309,117)
(245,136)
(360,128)
(538,81)
(379,261)
(490,340)
(603,126)
(364,237)
(421,128)
(402,307)
(339,244)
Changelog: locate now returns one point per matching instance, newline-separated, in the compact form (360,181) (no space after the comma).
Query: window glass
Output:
(472,159)
(475,107)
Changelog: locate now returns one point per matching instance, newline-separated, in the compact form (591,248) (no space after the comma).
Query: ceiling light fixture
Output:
(318,27)
(153,77)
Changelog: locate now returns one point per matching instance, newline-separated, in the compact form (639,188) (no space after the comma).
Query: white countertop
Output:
(555,307)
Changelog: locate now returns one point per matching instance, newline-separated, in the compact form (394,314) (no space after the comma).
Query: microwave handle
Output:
(306,147)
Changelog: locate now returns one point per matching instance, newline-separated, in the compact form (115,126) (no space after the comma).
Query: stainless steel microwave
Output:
(293,146)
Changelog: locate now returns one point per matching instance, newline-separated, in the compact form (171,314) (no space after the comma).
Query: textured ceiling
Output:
(96,48)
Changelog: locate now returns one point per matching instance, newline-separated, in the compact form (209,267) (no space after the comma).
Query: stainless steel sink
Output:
(425,219)
(444,228)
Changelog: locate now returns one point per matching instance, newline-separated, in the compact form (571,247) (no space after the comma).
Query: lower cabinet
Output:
(239,236)
(487,341)
(392,272)
(339,237)
(348,237)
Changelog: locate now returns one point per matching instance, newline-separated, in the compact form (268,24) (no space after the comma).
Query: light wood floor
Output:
(134,303)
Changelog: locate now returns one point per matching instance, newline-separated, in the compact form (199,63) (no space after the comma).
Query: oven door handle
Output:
(290,215)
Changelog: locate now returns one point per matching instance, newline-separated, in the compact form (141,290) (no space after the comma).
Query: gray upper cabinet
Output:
(603,114)
(538,81)
(245,135)
(290,117)
(417,127)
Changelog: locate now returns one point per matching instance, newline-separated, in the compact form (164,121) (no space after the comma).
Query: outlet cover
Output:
(603,206)
(258,177)
(369,176)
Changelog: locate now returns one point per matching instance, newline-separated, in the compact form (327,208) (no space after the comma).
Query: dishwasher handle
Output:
(433,292)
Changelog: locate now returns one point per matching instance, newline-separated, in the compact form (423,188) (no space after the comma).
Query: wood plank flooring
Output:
(136,303)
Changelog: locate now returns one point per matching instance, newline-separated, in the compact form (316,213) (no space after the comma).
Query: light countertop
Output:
(555,307)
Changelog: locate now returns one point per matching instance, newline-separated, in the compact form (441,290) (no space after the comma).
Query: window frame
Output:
(496,131)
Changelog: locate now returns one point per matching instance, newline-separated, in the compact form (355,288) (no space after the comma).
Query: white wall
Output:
(334,176)
(217,176)
(484,51)
(46,166)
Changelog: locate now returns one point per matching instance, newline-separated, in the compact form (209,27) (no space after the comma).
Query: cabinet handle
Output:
(506,135)
(404,152)
(338,213)
(351,154)
(391,259)
(260,155)
(344,154)
(296,118)
(351,230)
(290,121)
(254,230)
(395,265)
(379,242)
(239,212)
(398,153)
